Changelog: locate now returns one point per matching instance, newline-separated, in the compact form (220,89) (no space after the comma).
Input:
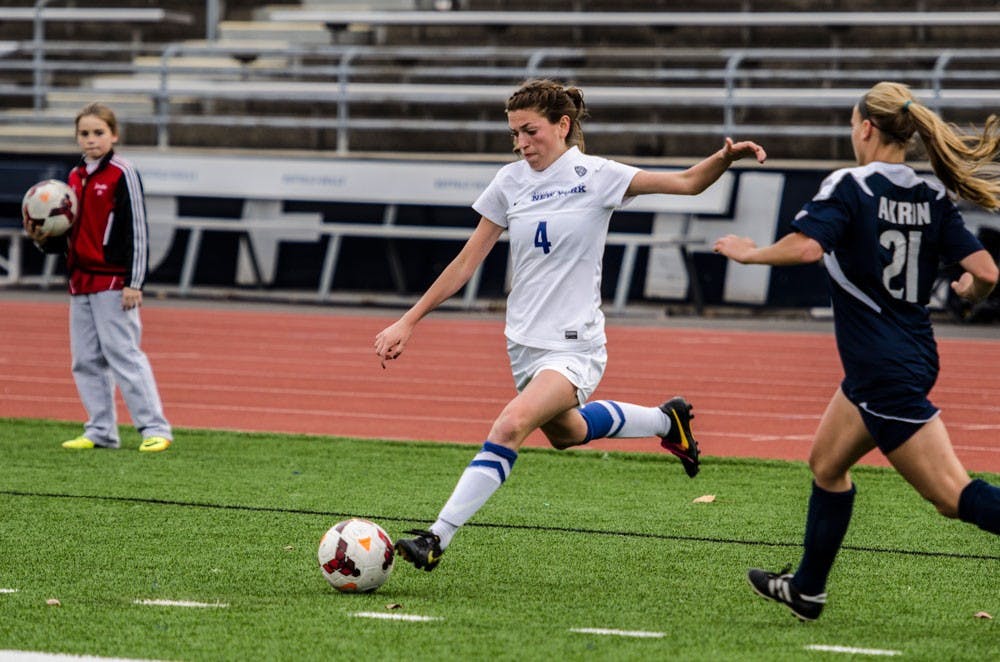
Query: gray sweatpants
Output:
(105,343)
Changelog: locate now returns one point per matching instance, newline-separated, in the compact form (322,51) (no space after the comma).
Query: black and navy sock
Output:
(826,524)
(979,504)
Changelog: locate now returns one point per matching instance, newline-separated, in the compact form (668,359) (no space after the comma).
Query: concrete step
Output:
(122,104)
(236,42)
(313,34)
(263,13)
(24,135)
(353,34)
(360,5)
(223,65)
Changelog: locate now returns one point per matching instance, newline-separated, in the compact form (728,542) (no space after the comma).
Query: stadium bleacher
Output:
(388,78)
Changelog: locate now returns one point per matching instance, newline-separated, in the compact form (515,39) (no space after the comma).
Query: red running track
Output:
(313,370)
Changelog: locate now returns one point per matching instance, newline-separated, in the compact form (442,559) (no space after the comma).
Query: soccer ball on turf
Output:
(356,556)
(51,205)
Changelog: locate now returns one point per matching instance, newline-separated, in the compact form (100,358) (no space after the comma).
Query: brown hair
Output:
(552,100)
(100,111)
(964,162)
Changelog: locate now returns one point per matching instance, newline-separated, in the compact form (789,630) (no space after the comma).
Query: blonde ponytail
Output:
(965,162)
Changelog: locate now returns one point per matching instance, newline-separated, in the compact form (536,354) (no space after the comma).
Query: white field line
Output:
(780,437)
(178,603)
(8,590)
(396,617)
(619,633)
(851,650)
(38,656)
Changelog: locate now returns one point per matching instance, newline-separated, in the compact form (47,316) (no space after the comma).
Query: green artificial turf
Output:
(573,540)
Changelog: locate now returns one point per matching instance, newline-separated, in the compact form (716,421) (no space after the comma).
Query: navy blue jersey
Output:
(885,232)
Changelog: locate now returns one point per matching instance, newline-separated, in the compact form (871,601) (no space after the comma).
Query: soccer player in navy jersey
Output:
(555,203)
(882,232)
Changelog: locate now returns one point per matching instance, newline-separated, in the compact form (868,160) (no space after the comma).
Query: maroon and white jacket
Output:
(108,243)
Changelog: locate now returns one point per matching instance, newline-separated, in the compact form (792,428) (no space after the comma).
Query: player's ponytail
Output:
(964,162)
(552,100)
(575,136)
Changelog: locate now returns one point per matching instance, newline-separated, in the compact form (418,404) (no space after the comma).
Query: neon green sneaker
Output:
(81,443)
(154,444)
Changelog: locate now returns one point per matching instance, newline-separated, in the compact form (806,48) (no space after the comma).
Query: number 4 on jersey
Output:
(542,238)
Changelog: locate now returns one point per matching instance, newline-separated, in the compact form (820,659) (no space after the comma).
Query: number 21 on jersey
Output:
(542,238)
(905,258)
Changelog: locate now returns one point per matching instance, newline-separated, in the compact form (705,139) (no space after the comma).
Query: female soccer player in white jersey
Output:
(881,231)
(556,203)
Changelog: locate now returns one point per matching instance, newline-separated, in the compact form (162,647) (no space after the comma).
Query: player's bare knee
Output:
(829,476)
(509,428)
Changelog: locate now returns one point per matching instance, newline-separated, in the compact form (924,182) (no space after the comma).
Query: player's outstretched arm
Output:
(793,248)
(391,341)
(698,177)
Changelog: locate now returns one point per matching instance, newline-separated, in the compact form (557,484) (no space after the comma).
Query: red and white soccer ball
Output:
(356,556)
(51,205)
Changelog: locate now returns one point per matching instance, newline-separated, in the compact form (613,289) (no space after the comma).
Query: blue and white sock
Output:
(608,418)
(487,472)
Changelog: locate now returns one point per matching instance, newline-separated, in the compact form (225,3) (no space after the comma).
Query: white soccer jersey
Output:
(557,221)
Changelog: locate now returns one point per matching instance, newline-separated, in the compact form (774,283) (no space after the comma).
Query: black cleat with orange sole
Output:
(679,440)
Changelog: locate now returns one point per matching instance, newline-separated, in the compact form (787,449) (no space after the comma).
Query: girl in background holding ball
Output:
(106,252)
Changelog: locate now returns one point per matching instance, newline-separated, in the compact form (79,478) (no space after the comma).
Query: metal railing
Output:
(349,89)
(41,12)
(638,19)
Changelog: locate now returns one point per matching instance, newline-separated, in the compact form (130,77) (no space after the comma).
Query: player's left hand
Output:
(391,341)
(131,298)
(735,151)
(34,231)
(964,287)
(735,248)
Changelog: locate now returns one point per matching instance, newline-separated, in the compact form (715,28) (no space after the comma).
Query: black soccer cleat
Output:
(778,587)
(424,551)
(679,440)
